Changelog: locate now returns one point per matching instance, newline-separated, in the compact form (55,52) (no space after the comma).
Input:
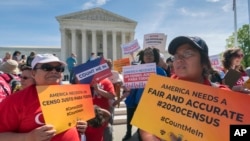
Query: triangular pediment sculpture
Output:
(95,14)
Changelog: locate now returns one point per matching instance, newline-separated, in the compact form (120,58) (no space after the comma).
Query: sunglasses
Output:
(239,55)
(24,77)
(47,67)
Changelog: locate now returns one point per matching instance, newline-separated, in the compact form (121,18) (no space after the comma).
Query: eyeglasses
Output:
(239,55)
(24,77)
(47,67)
(186,54)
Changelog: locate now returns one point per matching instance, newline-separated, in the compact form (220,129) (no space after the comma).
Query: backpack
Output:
(9,83)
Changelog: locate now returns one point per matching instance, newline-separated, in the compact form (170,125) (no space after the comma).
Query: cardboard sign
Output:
(92,71)
(118,64)
(136,76)
(156,40)
(188,111)
(130,47)
(216,61)
(247,84)
(231,77)
(63,105)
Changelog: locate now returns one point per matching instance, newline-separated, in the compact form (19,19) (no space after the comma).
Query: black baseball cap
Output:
(195,41)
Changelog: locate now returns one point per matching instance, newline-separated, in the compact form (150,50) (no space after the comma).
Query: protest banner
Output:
(118,64)
(136,76)
(187,111)
(63,105)
(130,47)
(216,61)
(156,40)
(92,71)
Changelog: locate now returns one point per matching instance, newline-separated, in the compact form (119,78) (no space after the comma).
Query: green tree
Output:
(243,43)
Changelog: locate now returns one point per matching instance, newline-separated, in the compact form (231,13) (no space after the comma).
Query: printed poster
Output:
(189,111)
(118,64)
(92,71)
(63,105)
(156,40)
(136,76)
(216,61)
(130,47)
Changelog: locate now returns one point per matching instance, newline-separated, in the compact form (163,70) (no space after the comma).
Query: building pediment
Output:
(95,14)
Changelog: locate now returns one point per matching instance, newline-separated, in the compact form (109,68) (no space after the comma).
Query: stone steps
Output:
(120,116)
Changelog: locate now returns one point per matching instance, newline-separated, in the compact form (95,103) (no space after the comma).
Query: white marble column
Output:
(104,44)
(73,43)
(94,41)
(123,37)
(123,42)
(114,45)
(84,46)
(63,44)
(132,34)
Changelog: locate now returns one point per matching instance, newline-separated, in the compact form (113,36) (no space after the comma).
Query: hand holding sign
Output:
(71,103)
(189,110)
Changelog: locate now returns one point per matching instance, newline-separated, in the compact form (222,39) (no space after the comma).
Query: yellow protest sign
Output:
(193,112)
(63,105)
(247,84)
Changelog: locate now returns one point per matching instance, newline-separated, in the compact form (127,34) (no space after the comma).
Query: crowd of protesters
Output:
(189,61)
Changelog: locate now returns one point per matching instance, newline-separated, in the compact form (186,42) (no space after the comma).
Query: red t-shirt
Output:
(101,101)
(95,134)
(207,82)
(21,113)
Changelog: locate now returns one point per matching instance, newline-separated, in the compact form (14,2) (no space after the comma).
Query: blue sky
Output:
(33,22)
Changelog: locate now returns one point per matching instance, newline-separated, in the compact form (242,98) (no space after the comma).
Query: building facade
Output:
(94,31)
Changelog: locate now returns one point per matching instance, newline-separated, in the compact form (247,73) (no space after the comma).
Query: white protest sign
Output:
(216,61)
(156,40)
(130,47)
(136,76)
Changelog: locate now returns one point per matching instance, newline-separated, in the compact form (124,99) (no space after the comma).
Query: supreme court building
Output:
(95,30)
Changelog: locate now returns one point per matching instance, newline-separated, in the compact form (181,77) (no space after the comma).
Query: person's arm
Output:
(241,89)
(125,94)
(106,114)
(103,93)
(43,133)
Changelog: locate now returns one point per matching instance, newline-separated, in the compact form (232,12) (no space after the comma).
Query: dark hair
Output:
(16,52)
(215,77)
(23,56)
(169,59)
(228,56)
(98,120)
(156,53)
(206,62)
(32,53)
(25,67)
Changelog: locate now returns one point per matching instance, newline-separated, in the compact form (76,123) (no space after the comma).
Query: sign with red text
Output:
(136,76)
(63,105)
(181,110)
(92,71)
(156,40)
(216,61)
(130,47)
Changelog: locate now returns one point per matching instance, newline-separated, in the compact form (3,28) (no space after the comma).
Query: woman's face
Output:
(148,56)
(236,61)
(26,79)
(187,63)
(46,74)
